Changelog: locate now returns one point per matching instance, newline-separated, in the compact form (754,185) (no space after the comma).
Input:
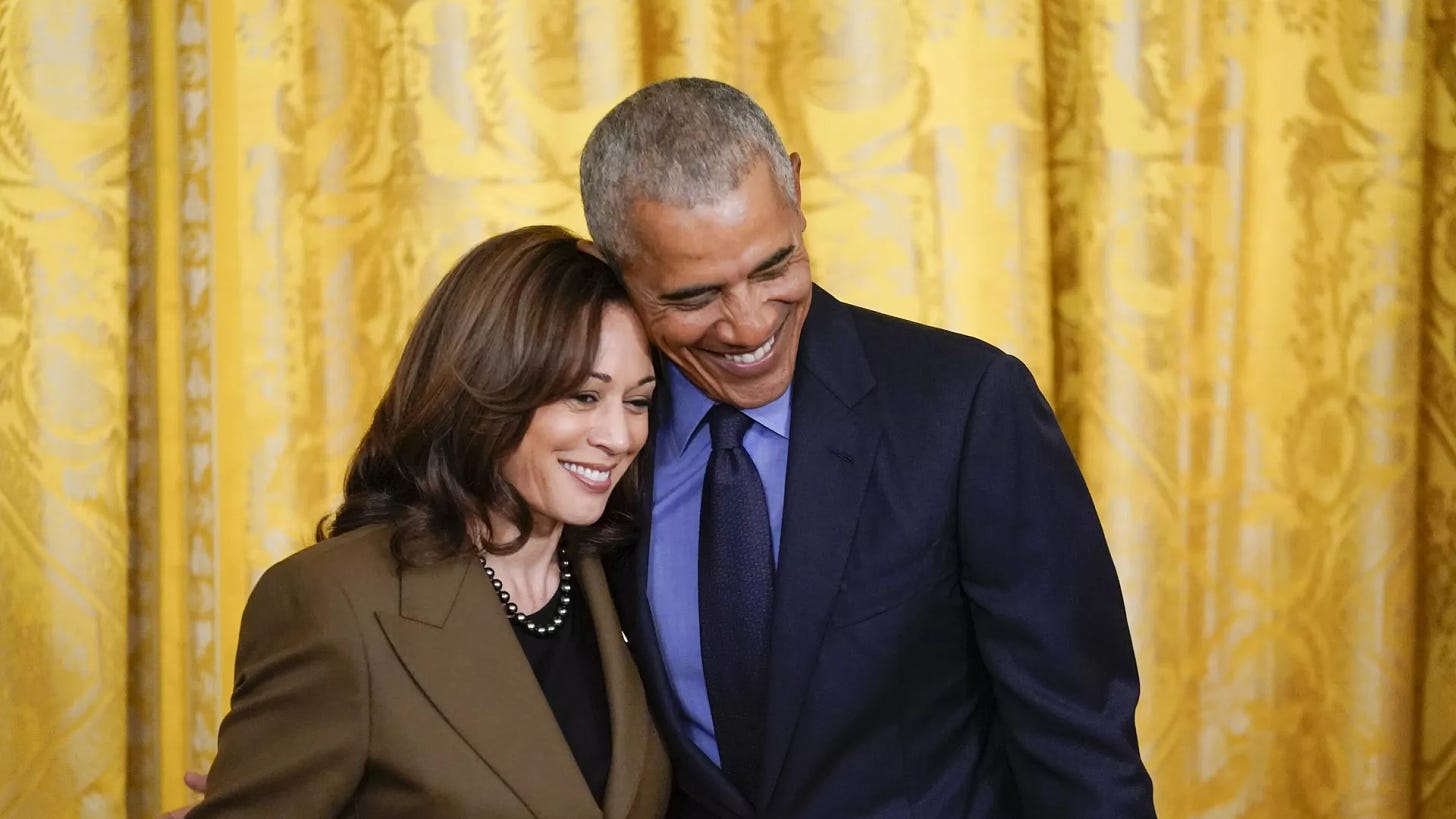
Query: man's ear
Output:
(797,164)
(590,248)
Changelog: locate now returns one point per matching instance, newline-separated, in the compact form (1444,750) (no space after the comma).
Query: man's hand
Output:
(195,782)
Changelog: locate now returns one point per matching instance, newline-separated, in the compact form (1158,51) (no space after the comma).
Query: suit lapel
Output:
(691,767)
(832,441)
(626,701)
(457,645)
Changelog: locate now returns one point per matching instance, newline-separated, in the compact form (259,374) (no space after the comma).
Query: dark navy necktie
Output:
(735,597)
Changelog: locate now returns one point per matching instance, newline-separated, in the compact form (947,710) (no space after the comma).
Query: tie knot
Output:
(727,426)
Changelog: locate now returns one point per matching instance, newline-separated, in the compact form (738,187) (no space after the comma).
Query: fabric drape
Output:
(1222,233)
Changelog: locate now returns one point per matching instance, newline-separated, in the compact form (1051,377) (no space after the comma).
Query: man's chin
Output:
(751,396)
(725,385)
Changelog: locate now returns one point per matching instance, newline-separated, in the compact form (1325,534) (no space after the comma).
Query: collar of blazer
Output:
(451,635)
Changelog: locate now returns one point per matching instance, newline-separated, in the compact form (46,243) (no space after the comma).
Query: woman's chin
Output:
(582,515)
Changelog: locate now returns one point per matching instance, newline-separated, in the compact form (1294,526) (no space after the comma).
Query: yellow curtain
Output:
(1221,232)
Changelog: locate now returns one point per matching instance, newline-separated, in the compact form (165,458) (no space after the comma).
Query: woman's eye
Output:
(584,398)
(643,404)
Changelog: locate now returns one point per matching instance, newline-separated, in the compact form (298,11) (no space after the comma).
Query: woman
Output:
(450,648)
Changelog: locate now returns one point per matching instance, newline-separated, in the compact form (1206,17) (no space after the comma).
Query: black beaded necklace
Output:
(526,621)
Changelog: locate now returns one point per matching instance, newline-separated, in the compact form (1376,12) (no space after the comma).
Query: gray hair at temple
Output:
(682,142)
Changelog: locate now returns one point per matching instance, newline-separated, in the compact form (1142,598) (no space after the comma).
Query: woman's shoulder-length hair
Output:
(513,326)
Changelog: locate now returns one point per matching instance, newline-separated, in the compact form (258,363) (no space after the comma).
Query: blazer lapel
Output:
(626,702)
(833,437)
(457,645)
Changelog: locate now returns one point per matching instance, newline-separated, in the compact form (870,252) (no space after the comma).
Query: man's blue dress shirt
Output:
(682,449)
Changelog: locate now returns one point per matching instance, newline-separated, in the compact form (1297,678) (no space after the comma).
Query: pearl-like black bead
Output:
(513,611)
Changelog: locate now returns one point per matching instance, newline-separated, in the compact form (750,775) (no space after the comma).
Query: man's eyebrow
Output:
(777,256)
(690,293)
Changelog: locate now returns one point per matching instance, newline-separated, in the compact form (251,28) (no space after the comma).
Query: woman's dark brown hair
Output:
(512,327)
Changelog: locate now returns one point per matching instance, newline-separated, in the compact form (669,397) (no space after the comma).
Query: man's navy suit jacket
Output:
(949,638)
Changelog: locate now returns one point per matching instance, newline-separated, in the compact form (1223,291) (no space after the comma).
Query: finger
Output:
(195,781)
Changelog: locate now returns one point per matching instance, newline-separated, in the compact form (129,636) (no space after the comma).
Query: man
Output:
(872,581)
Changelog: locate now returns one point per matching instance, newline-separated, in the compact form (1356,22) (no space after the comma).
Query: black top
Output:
(568,665)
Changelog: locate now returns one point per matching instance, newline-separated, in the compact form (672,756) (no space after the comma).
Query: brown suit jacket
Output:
(366,690)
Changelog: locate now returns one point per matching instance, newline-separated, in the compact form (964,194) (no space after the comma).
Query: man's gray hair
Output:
(682,142)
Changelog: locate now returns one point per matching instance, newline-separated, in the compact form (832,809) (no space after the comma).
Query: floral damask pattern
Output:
(63,444)
(1222,233)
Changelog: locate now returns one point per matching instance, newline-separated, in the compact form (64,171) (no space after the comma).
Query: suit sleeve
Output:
(1047,609)
(295,741)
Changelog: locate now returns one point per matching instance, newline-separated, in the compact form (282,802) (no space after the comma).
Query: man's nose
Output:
(747,319)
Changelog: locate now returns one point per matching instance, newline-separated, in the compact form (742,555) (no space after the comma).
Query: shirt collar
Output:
(687,406)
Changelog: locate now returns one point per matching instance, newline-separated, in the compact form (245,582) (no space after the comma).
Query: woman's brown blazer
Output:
(366,690)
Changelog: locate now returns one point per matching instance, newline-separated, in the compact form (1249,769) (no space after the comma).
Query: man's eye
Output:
(695,301)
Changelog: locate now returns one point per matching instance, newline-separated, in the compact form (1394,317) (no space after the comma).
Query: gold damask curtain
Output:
(1222,233)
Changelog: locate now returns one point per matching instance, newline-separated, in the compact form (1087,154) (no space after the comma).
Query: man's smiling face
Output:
(723,288)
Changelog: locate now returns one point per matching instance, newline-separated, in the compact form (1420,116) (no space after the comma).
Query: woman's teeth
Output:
(595,475)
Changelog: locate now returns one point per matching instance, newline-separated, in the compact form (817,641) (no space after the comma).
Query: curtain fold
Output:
(1222,234)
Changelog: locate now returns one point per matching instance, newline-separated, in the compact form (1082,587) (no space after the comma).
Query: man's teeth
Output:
(753,357)
(595,475)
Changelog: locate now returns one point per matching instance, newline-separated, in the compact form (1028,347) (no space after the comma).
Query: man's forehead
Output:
(695,247)
(666,269)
